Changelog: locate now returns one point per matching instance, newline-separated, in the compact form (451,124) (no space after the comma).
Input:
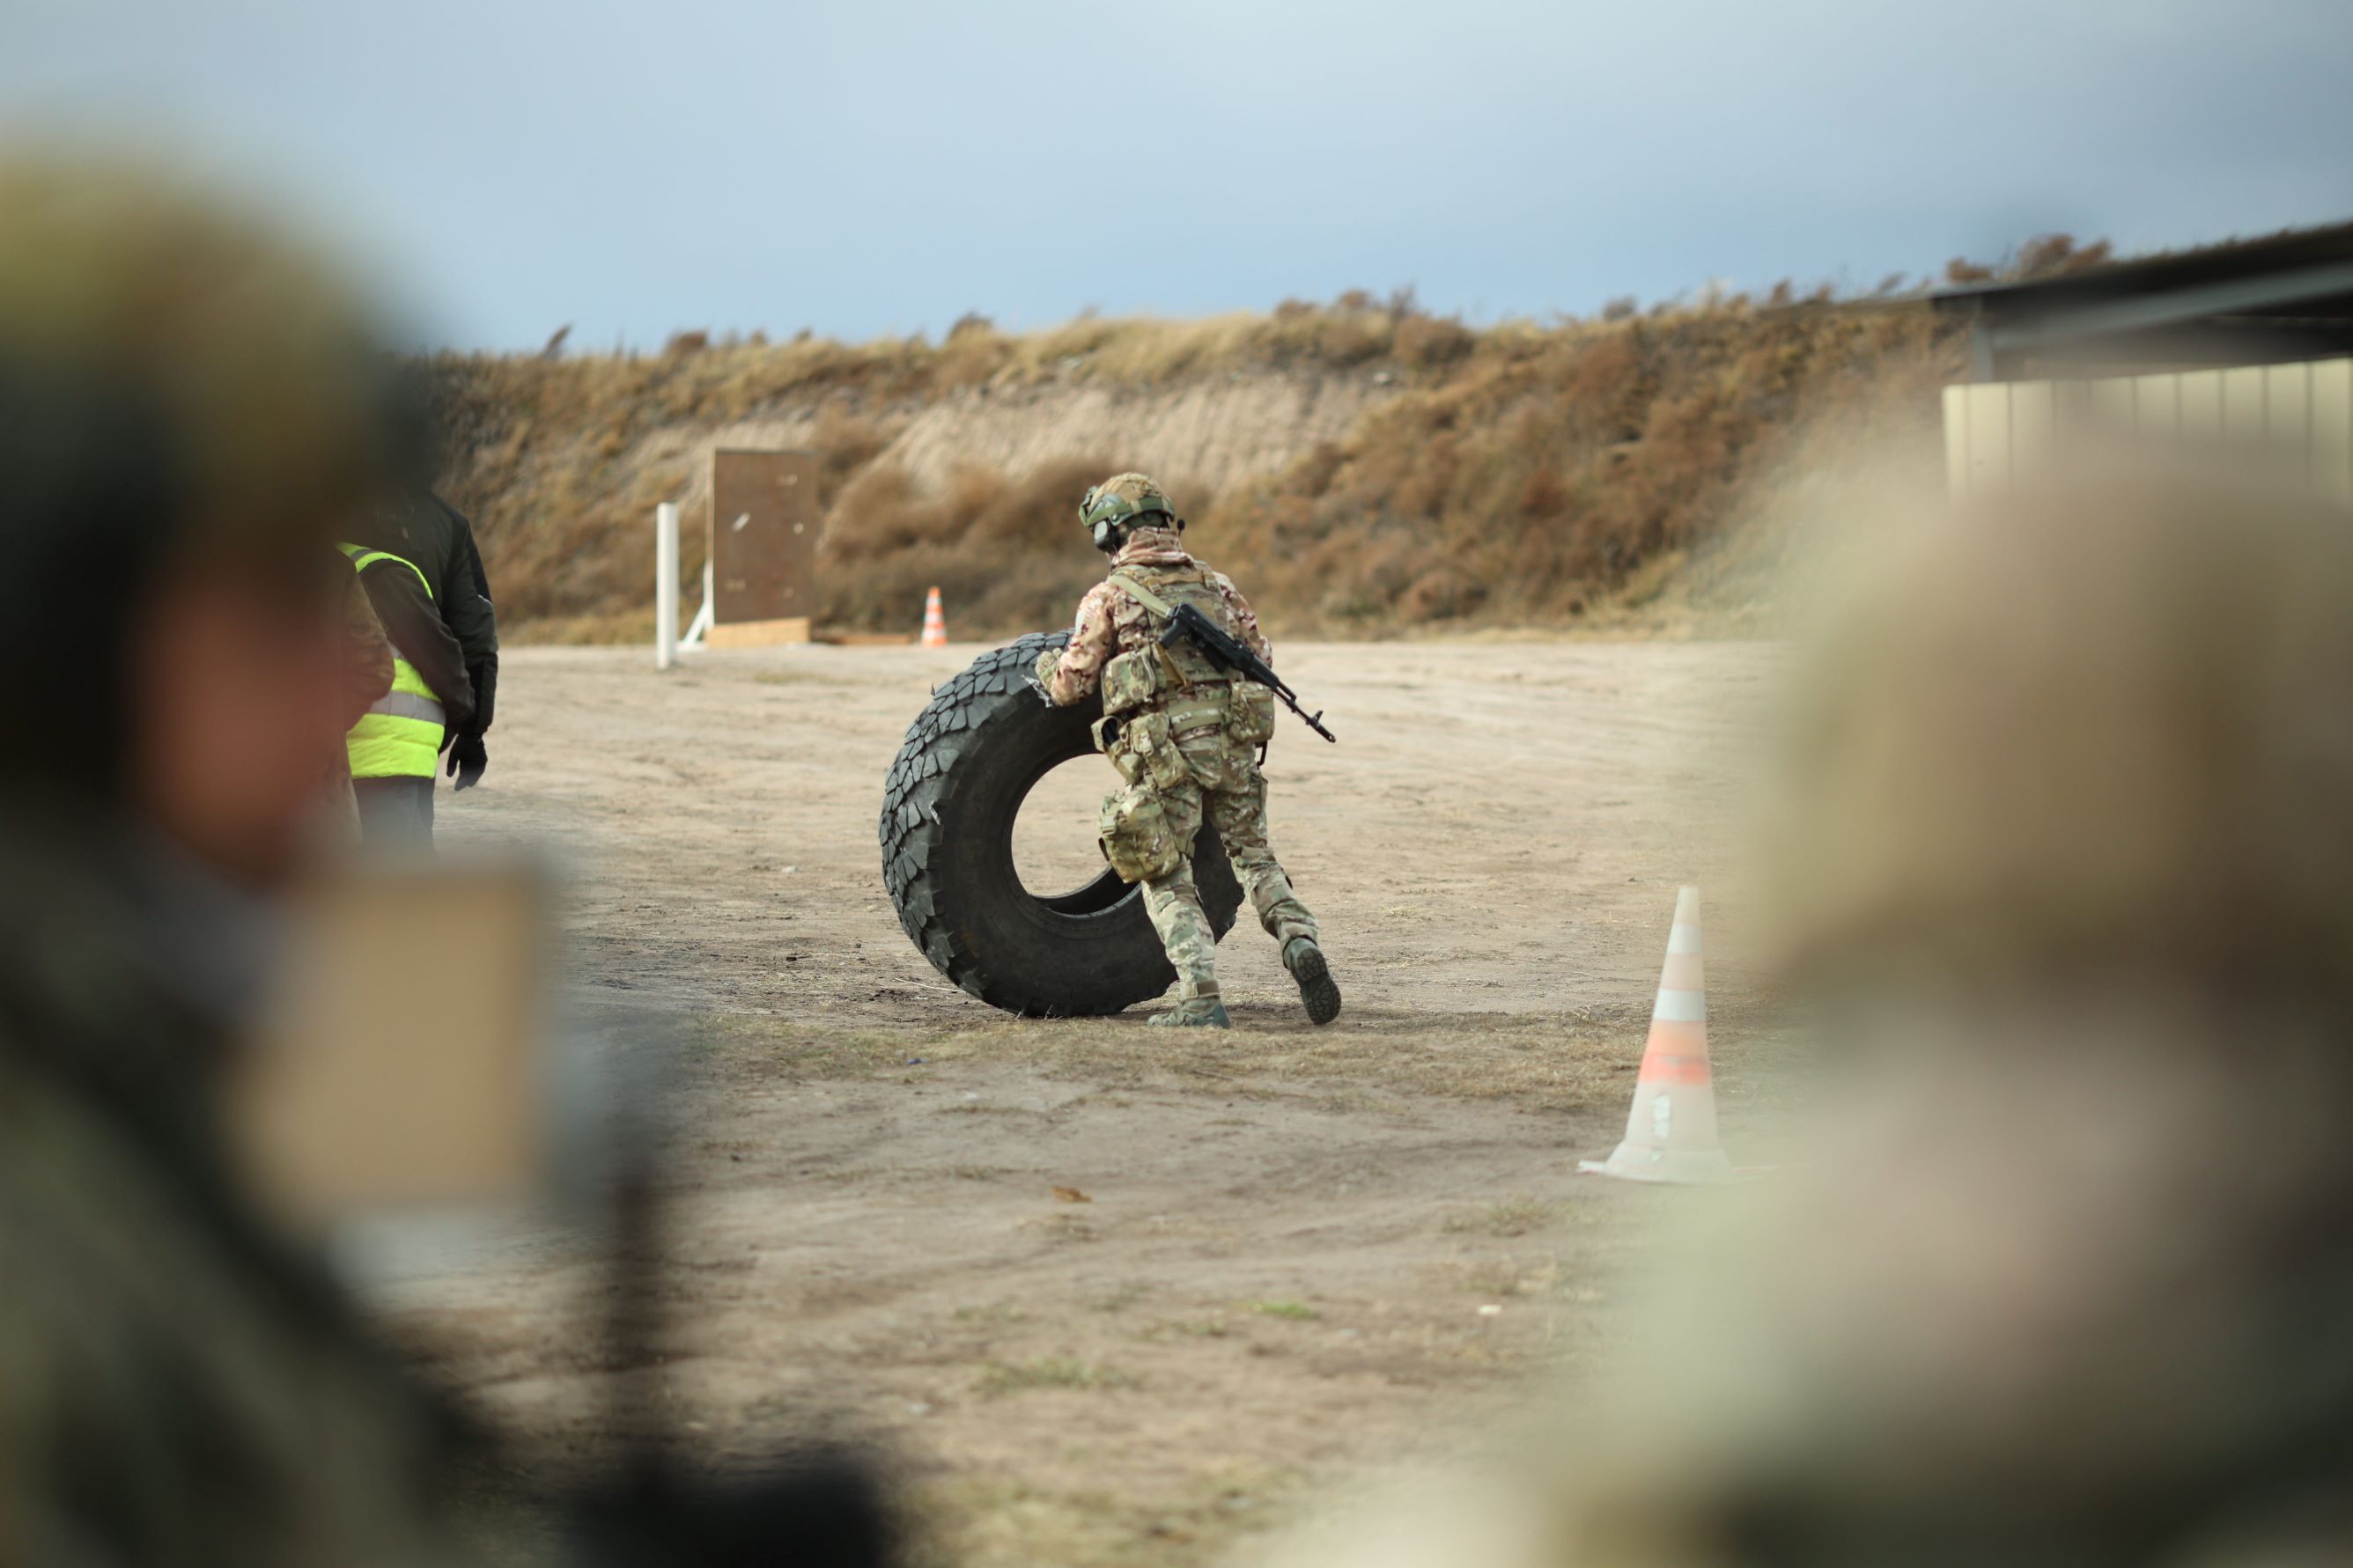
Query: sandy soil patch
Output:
(1114,1297)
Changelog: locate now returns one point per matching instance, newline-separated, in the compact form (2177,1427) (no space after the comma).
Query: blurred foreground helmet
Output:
(1125,501)
(2098,731)
(178,382)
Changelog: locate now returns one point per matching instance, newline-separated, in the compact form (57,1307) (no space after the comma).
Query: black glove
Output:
(467,760)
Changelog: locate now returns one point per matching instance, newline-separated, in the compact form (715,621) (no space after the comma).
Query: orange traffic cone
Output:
(936,622)
(1670,1134)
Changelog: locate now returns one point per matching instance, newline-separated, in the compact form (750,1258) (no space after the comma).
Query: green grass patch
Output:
(1052,1372)
(1514,1216)
(1298,1311)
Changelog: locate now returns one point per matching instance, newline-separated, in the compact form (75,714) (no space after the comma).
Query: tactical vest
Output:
(399,737)
(1157,675)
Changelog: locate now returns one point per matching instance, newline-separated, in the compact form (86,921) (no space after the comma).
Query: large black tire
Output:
(948,807)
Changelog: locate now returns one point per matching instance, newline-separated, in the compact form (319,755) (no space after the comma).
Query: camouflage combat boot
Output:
(1195,1013)
(1317,987)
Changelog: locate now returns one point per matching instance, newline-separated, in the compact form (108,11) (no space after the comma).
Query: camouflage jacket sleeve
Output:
(1092,642)
(1245,622)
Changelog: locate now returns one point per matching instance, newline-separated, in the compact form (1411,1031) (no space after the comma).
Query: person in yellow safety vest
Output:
(395,747)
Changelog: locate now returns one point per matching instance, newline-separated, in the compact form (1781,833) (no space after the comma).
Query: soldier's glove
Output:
(1043,671)
(468,760)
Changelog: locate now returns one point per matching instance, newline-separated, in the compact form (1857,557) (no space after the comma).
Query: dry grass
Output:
(1514,1216)
(1552,1062)
(1006,553)
(1294,1312)
(1522,475)
(1052,1372)
(1557,470)
(560,460)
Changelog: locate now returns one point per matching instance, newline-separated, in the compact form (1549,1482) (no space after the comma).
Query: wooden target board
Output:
(764,532)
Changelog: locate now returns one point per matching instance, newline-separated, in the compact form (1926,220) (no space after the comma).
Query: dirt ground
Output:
(1111,1295)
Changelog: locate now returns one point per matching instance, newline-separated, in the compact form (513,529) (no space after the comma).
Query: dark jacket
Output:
(412,619)
(458,629)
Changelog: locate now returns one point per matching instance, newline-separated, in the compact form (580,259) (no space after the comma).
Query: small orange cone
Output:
(1670,1134)
(936,622)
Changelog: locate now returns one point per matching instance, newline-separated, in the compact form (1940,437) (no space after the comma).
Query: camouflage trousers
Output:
(1236,807)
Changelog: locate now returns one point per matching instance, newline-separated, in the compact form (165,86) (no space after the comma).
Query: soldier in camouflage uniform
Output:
(1183,734)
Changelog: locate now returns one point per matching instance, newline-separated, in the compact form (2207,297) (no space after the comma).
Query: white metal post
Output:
(665,584)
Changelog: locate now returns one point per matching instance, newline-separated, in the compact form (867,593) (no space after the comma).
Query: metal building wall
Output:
(2301,414)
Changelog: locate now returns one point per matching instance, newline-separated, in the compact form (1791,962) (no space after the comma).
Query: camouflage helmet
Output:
(1125,501)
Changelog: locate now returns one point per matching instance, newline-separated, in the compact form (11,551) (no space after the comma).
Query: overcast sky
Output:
(864,166)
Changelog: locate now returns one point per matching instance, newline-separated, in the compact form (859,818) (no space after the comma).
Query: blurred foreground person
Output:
(2067,867)
(191,417)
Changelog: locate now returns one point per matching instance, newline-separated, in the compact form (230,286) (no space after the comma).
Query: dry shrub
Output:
(973,354)
(1006,551)
(881,511)
(1441,593)
(1350,331)
(844,442)
(1315,471)
(1427,343)
(2054,255)
(1544,494)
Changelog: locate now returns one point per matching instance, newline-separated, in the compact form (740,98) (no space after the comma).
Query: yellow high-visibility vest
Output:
(399,737)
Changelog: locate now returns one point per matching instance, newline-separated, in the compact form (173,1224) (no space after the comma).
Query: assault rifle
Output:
(1232,653)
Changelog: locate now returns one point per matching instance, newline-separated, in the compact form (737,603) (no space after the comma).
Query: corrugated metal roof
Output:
(2281,298)
(2236,260)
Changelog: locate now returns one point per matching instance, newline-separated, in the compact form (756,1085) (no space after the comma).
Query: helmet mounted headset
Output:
(1108,511)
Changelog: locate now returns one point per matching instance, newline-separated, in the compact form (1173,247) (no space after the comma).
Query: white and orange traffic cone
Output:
(1670,1134)
(936,622)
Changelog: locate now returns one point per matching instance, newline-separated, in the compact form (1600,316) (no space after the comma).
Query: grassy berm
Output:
(1366,467)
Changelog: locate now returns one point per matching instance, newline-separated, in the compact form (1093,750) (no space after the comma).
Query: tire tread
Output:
(955,724)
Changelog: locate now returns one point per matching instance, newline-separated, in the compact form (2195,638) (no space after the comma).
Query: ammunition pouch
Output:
(1250,714)
(1105,732)
(1141,747)
(1192,712)
(1134,835)
(1132,680)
